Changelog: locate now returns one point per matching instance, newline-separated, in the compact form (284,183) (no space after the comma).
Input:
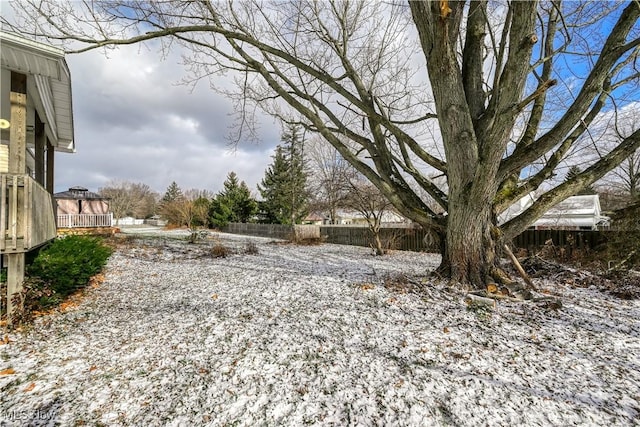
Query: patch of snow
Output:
(290,336)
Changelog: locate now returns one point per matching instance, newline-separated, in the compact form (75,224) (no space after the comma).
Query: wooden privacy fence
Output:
(401,238)
(276,231)
(534,240)
(410,238)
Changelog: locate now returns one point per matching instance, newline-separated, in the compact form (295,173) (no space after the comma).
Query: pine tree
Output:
(170,202)
(233,204)
(284,187)
(272,189)
(245,205)
(296,193)
(573,172)
(172,194)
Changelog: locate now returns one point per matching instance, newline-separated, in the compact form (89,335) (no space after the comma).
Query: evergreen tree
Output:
(296,192)
(573,172)
(172,194)
(245,205)
(272,190)
(233,204)
(284,187)
(170,202)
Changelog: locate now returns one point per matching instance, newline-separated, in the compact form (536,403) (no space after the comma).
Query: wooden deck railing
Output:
(85,220)
(26,214)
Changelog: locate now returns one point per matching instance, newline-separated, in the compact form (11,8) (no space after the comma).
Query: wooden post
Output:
(17,166)
(41,140)
(15,278)
(18,133)
(50,165)
(50,183)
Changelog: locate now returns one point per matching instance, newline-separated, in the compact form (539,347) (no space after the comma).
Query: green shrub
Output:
(68,263)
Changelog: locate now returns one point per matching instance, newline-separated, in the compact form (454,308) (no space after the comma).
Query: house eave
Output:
(50,74)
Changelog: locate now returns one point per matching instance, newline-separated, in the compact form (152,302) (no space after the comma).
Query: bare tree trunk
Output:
(375,232)
(469,254)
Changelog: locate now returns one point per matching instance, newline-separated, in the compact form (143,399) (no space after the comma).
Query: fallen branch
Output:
(518,267)
(495,296)
(623,262)
(548,303)
(478,301)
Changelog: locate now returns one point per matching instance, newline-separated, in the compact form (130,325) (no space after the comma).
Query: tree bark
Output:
(376,240)
(469,256)
(481,92)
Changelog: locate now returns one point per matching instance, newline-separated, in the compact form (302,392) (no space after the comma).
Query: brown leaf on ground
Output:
(68,305)
(30,387)
(96,280)
(367,286)
(5,340)
(9,371)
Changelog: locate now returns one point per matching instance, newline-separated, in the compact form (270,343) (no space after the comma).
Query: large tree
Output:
(284,186)
(329,176)
(168,206)
(491,95)
(173,193)
(572,173)
(233,204)
(366,199)
(189,208)
(624,180)
(130,199)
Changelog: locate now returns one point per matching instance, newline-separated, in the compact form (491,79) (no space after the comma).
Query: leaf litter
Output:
(320,335)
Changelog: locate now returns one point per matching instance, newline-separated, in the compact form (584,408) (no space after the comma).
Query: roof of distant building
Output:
(579,211)
(79,193)
(314,216)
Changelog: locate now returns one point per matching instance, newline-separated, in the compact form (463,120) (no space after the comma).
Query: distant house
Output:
(78,200)
(314,218)
(349,217)
(573,213)
(79,207)
(156,220)
(36,121)
(128,220)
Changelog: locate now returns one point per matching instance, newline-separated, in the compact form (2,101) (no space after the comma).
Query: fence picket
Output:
(408,238)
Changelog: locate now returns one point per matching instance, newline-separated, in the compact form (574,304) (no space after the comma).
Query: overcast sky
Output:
(134,122)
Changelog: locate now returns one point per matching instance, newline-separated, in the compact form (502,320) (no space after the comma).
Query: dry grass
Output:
(220,251)
(250,248)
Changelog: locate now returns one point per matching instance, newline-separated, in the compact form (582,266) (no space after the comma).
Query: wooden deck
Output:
(85,220)
(26,214)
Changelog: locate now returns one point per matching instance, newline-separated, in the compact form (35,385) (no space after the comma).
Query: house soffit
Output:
(53,82)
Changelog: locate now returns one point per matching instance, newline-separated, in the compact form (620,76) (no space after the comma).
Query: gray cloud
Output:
(134,122)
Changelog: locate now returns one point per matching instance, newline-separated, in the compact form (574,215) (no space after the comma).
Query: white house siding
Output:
(129,221)
(573,212)
(4,158)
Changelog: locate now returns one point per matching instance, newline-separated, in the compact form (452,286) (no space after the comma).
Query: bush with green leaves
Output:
(67,264)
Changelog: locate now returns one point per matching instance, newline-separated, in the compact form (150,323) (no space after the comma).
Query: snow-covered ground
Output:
(299,335)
